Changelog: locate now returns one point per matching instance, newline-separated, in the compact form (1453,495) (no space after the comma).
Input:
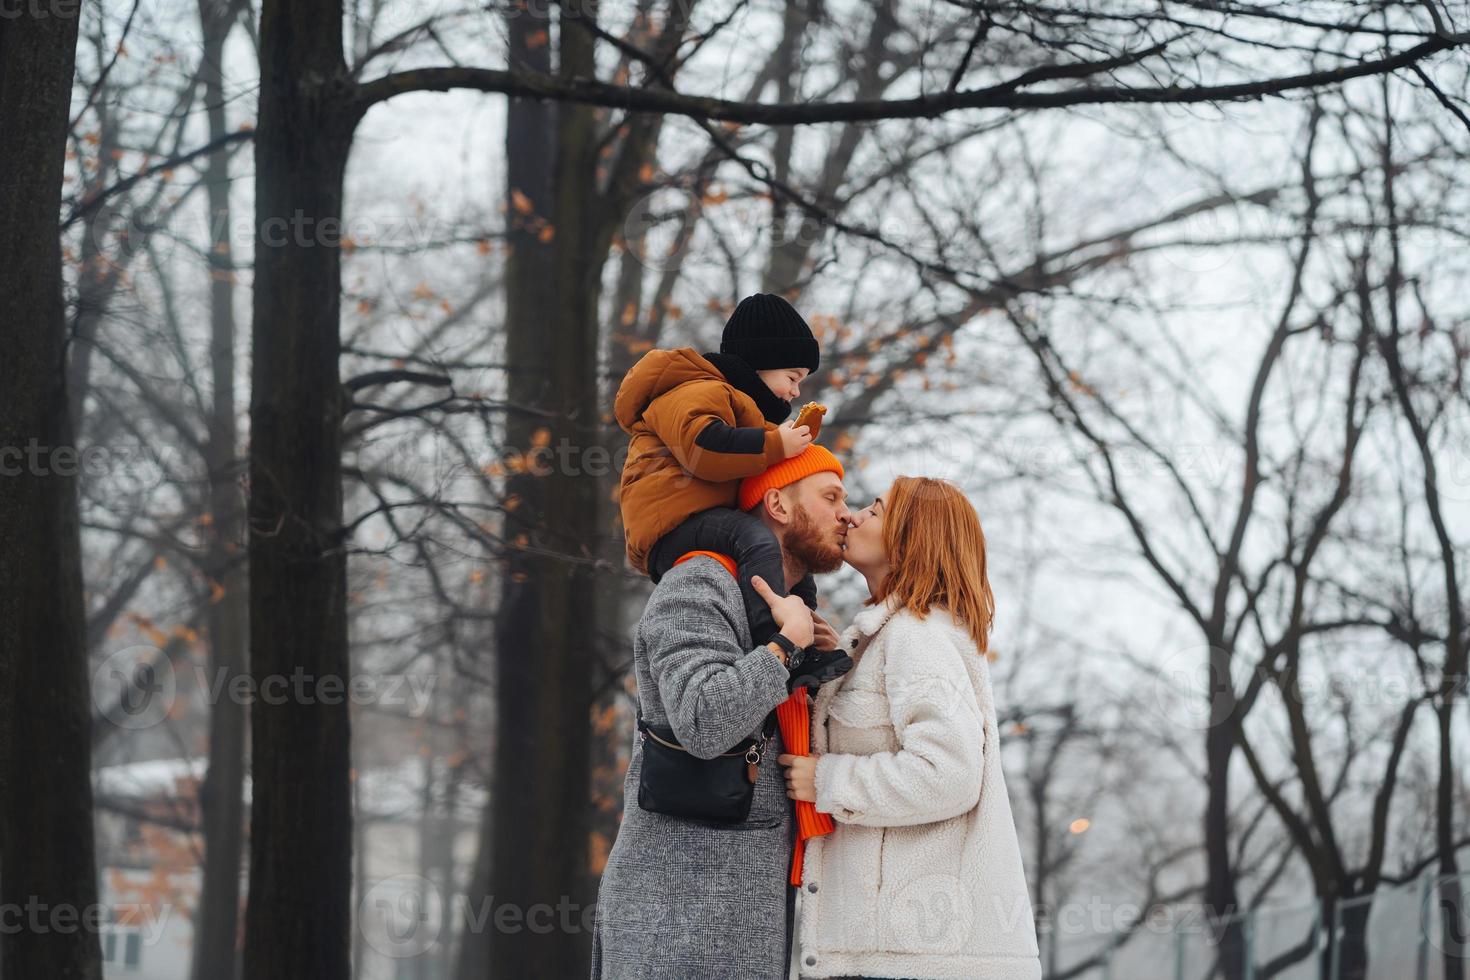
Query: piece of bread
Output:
(811,416)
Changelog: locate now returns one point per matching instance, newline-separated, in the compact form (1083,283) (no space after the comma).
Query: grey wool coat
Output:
(687,899)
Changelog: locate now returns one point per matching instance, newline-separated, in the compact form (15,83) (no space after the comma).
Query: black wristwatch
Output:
(788,647)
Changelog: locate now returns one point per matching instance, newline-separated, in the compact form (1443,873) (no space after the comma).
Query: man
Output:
(685,899)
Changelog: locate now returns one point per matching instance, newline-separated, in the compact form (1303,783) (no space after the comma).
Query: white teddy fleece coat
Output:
(922,876)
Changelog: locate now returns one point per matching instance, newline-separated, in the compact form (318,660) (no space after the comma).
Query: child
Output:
(698,425)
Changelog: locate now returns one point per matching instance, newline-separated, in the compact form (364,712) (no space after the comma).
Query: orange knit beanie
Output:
(812,459)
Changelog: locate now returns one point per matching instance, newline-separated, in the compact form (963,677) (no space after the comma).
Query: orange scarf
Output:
(795,721)
(793,717)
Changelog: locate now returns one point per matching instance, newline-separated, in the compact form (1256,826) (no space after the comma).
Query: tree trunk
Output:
(795,237)
(1220,895)
(529,292)
(359,880)
(1345,953)
(221,796)
(47,851)
(537,826)
(299,918)
(547,624)
(439,859)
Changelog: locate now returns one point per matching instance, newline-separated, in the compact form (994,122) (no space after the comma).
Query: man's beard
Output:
(805,544)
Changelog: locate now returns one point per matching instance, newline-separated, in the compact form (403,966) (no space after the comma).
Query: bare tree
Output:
(310,103)
(47,856)
(222,807)
(1426,398)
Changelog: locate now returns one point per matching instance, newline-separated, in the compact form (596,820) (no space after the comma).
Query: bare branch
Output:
(1004,95)
(96,200)
(372,378)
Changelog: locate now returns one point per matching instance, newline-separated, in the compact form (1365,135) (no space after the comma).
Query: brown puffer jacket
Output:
(694,438)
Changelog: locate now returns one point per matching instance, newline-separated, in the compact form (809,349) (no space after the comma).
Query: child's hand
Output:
(795,438)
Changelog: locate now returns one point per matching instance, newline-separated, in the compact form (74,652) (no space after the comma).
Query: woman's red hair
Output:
(936,554)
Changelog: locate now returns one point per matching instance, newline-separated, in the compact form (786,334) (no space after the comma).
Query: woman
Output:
(922,876)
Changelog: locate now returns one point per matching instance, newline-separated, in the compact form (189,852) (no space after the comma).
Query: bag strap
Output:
(729,565)
(770,726)
(766,731)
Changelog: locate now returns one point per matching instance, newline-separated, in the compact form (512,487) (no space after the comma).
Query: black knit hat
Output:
(767,333)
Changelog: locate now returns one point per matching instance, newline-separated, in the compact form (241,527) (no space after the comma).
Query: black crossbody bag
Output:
(678,784)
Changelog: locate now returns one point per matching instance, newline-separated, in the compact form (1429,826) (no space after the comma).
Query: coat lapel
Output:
(868,622)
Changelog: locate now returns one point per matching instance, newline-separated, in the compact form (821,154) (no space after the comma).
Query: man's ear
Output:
(776,505)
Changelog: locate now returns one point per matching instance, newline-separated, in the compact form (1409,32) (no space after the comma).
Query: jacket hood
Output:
(657,373)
